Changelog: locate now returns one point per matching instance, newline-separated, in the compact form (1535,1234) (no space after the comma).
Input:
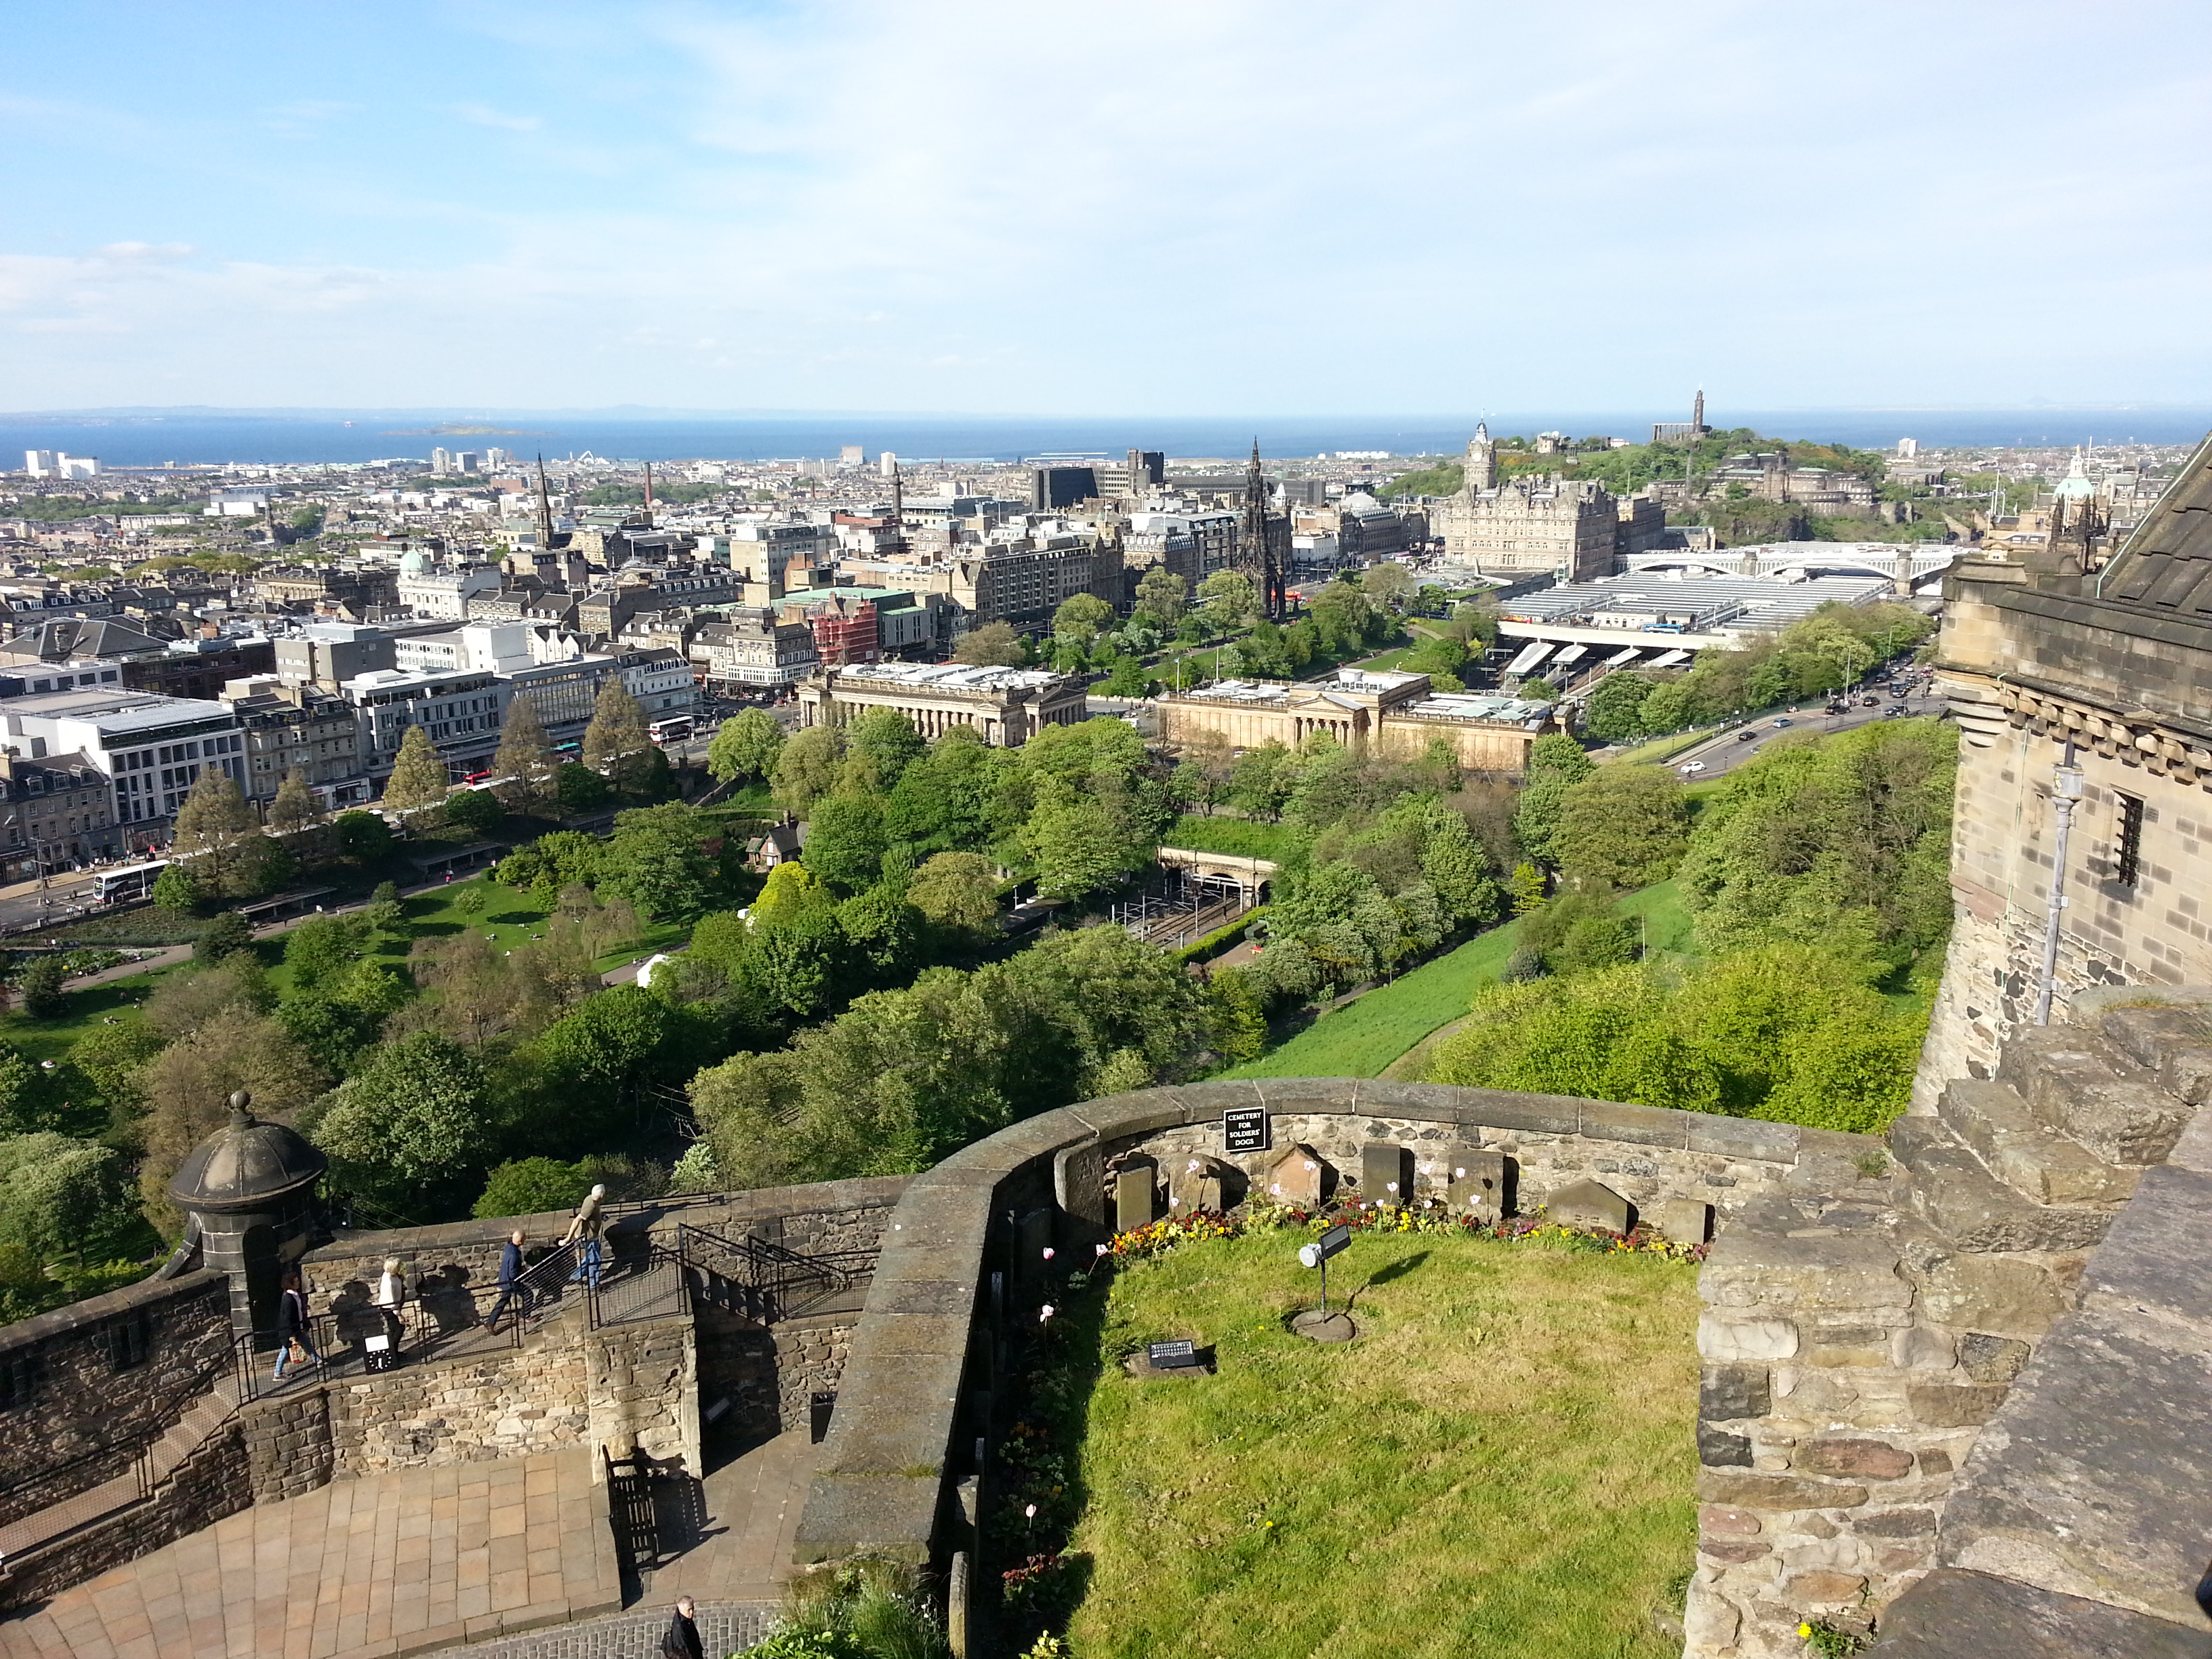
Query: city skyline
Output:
(980,209)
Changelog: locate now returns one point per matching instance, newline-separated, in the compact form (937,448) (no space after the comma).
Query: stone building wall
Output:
(810,1359)
(76,1399)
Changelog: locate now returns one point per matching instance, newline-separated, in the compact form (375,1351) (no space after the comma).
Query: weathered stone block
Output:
(1733,1551)
(1717,1449)
(1728,1393)
(1956,1614)
(1723,1341)
(1995,1359)
(1776,1491)
(1988,1293)
(1896,1524)
(1295,1176)
(1720,1519)
(1479,1182)
(1823,1589)
(1588,1204)
(1197,1183)
(1963,1202)
(1873,1460)
(1134,1186)
(1921,1348)
(1385,1173)
(1954,1406)
(1684,1221)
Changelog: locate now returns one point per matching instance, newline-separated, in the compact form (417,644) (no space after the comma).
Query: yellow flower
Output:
(1805,1633)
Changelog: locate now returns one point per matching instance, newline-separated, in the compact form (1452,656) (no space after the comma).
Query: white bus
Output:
(133,881)
(677,728)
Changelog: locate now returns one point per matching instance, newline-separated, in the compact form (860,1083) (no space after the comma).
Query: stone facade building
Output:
(1531,524)
(2056,652)
(55,811)
(1396,712)
(1004,706)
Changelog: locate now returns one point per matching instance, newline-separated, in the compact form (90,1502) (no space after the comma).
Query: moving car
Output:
(1781,721)
(1689,767)
(1745,736)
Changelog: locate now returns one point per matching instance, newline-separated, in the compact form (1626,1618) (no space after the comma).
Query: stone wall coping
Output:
(147,1294)
(762,1204)
(882,1483)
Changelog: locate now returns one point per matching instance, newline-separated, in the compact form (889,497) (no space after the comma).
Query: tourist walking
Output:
(390,1296)
(681,1641)
(511,1287)
(293,1347)
(586,1227)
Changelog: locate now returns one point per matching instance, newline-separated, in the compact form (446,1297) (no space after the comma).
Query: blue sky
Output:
(1200,206)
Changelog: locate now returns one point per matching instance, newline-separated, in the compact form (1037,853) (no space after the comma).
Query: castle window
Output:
(19,1381)
(2128,844)
(128,1341)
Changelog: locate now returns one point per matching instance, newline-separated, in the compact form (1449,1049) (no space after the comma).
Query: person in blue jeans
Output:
(292,1327)
(586,1227)
(511,1287)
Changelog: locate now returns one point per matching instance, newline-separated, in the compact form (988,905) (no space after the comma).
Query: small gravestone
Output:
(1197,1185)
(1477,1184)
(1178,1357)
(1134,1185)
(1295,1177)
(1384,1176)
(1588,1204)
(1685,1221)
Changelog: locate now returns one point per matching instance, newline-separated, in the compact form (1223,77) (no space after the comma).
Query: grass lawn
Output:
(1364,1037)
(1660,748)
(1237,837)
(50,1039)
(1503,1465)
(509,917)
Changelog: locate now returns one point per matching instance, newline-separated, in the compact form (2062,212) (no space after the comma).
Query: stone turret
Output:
(249,1189)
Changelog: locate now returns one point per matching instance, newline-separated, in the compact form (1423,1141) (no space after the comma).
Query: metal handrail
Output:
(139,1445)
(770,1275)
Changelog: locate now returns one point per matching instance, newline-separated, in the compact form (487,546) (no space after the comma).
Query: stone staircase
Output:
(200,1422)
(1861,1333)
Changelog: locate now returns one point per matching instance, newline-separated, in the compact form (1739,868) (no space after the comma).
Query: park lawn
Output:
(86,1010)
(510,920)
(1245,838)
(1669,930)
(1503,1463)
(1364,1037)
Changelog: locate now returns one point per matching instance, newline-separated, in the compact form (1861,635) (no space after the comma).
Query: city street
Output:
(1727,749)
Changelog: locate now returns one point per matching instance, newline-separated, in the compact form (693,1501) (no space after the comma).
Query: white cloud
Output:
(1221,206)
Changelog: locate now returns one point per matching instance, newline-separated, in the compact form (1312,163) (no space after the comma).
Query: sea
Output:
(190,437)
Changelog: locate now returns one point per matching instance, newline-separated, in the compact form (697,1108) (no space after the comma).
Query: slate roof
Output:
(2166,568)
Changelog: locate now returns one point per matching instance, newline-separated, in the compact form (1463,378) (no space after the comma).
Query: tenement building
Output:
(2083,691)
(1396,714)
(1003,705)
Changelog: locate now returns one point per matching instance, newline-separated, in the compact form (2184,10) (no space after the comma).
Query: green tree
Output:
(1556,764)
(1627,826)
(994,645)
(416,1118)
(845,842)
(792,891)
(213,829)
(1161,598)
(577,790)
(42,986)
(616,743)
(882,744)
(418,780)
(1240,1017)
(295,806)
(474,811)
(322,948)
(1227,599)
(807,769)
(1387,584)
(228,934)
(958,892)
(364,838)
(175,890)
(882,935)
(531,1186)
(1261,778)
(1614,710)
(1080,619)
(612,1048)
(1526,887)
(55,1192)
(525,768)
(654,860)
(745,746)
(1342,616)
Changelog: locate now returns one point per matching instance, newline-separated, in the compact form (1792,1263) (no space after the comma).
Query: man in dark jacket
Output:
(681,1641)
(511,1287)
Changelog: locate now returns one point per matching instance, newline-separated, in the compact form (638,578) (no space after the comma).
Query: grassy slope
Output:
(1246,838)
(1501,1465)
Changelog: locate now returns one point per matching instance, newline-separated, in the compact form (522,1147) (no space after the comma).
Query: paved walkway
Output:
(396,1563)
(745,1538)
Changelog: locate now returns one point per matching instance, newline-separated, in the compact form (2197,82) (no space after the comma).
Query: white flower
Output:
(1277,1187)
(1101,1248)
(1044,1313)
(1048,1252)
(1311,1168)
(1459,1174)
(1390,1185)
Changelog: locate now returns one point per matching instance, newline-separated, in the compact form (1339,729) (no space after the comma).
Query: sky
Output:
(1192,208)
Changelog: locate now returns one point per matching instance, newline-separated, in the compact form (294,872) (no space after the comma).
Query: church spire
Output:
(544,508)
